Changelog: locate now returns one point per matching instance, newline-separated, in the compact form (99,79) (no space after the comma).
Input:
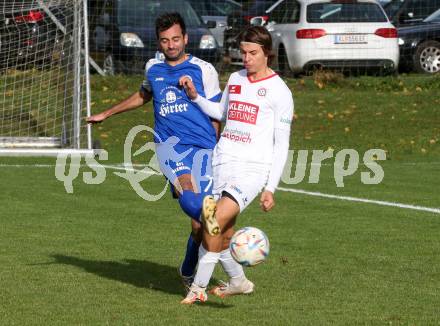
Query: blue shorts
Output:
(176,160)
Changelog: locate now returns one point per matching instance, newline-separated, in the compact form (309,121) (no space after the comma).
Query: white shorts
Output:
(243,182)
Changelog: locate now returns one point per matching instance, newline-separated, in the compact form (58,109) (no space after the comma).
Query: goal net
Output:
(44,80)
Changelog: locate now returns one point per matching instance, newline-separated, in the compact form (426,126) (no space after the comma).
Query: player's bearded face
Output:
(254,58)
(172,43)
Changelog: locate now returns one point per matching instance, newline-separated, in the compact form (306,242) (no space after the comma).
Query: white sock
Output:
(207,262)
(232,268)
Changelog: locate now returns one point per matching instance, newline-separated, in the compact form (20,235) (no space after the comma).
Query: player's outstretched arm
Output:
(214,110)
(130,103)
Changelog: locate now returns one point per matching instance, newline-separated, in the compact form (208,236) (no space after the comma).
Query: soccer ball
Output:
(249,246)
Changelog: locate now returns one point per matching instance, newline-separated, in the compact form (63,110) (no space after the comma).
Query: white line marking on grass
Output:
(122,168)
(115,166)
(362,200)
(144,165)
(118,167)
(420,163)
(27,165)
(298,191)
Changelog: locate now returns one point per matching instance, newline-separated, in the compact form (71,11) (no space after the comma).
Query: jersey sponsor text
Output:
(235,89)
(166,109)
(237,135)
(243,112)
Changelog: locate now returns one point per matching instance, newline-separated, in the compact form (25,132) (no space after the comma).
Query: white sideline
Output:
(362,200)
(144,165)
(122,168)
(118,167)
(298,191)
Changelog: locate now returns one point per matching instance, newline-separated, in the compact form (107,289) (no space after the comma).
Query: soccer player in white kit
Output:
(249,158)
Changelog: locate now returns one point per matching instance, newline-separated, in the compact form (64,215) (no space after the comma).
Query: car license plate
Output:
(351,39)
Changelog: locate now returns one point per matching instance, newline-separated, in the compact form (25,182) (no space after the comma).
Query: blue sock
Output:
(191,203)
(191,257)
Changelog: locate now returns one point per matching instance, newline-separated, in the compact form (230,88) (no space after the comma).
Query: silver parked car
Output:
(217,11)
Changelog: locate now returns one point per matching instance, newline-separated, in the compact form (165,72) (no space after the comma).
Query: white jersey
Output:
(253,110)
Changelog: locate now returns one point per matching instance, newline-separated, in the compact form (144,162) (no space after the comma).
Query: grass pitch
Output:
(102,255)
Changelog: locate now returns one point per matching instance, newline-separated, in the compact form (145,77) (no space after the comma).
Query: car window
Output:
(278,14)
(257,6)
(434,18)
(417,10)
(392,7)
(223,8)
(200,7)
(215,7)
(341,12)
(293,12)
(141,13)
(287,12)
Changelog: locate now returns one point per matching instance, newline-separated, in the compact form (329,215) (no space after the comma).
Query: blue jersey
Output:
(174,112)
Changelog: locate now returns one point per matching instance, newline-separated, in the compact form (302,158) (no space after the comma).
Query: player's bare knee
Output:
(223,222)
(226,222)
(187,185)
(185,182)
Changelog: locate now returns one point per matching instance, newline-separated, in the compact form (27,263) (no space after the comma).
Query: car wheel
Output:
(427,57)
(283,63)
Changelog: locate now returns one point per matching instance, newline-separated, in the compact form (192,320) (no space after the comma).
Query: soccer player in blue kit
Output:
(183,133)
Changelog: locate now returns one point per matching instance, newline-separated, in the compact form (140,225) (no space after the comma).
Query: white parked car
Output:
(354,34)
